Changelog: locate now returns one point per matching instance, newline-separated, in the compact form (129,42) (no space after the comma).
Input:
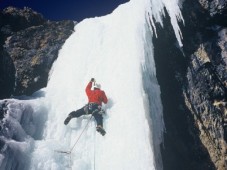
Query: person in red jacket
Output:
(95,99)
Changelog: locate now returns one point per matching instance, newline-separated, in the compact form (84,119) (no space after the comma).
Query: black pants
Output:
(90,108)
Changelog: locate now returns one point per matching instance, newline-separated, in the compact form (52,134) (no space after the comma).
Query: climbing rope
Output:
(94,147)
(81,134)
(69,152)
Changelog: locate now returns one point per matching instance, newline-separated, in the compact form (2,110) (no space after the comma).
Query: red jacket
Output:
(95,96)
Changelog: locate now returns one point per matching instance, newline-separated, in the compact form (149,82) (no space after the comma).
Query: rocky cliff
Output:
(193,81)
(29,44)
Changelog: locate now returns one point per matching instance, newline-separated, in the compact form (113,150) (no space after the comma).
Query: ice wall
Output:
(23,123)
(117,50)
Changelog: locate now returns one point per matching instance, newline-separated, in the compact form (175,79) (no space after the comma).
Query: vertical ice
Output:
(117,50)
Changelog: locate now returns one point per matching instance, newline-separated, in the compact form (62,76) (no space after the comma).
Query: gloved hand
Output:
(92,80)
(102,112)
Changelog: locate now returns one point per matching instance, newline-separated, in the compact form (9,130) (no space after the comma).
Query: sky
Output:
(76,10)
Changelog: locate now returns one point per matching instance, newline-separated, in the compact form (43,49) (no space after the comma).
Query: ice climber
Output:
(95,99)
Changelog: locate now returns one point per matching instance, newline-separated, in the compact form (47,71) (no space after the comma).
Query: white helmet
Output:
(98,86)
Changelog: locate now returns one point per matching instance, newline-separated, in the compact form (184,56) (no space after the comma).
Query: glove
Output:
(92,80)
(102,112)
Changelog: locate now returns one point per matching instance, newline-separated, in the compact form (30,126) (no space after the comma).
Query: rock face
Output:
(206,95)
(214,7)
(196,77)
(29,46)
(7,75)
(205,91)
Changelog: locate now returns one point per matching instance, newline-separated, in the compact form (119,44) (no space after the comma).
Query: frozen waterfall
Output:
(117,51)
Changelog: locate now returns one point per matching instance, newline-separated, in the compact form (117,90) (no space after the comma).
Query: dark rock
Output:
(31,45)
(182,148)
(196,119)
(33,51)
(3,110)
(7,75)
(19,19)
(206,95)
(214,7)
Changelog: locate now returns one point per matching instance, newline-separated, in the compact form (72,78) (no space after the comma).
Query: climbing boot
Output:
(101,130)
(67,119)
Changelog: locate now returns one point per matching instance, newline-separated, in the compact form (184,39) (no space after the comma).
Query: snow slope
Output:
(117,51)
